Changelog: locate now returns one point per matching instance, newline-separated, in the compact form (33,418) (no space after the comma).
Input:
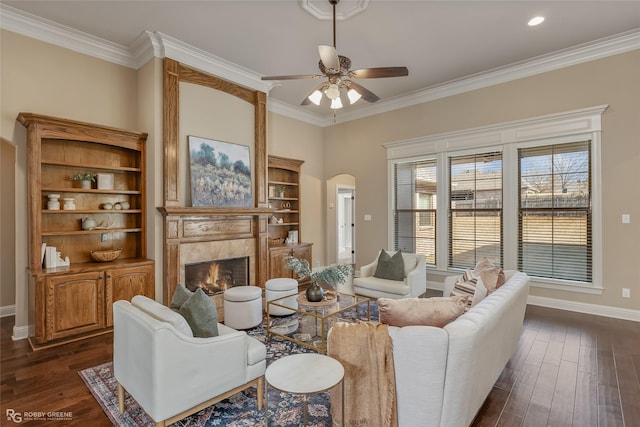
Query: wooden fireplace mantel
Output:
(221,229)
(212,211)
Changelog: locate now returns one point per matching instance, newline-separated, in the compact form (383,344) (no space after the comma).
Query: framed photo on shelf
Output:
(105,181)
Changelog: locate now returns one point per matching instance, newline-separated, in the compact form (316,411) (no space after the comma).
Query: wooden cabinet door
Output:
(75,304)
(125,283)
(277,261)
(303,252)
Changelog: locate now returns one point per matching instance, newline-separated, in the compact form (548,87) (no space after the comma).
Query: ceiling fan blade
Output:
(374,73)
(292,77)
(329,57)
(367,95)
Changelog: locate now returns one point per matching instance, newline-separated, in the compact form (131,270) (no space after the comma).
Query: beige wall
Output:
(45,79)
(297,140)
(356,148)
(7,219)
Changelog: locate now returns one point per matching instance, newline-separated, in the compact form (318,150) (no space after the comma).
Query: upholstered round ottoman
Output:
(243,307)
(278,288)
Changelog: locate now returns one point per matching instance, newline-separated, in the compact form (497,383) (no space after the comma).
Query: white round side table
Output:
(305,374)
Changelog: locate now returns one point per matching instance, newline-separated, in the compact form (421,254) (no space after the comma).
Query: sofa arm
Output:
(369,269)
(417,278)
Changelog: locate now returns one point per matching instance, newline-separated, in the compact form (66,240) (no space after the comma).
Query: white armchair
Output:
(171,374)
(413,285)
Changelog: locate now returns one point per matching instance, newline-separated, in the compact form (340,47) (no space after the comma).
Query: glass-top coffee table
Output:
(309,324)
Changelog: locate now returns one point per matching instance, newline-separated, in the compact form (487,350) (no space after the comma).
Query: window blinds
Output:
(415,208)
(554,231)
(475,209)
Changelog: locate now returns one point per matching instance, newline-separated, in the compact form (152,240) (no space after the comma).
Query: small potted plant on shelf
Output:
(331,276)
(85,179)
(279,190)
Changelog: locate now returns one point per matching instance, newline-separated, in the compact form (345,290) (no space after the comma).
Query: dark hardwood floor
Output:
(570,369)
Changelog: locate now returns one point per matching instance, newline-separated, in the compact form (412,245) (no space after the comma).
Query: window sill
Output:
(560,285)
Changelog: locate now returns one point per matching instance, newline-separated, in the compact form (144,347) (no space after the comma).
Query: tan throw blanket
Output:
(365,350)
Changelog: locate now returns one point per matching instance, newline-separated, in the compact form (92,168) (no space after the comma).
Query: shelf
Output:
(286,211)
(284,198)
(92,211)
(86,166)
(293,184)
(88,232)
(88,191)
(284,224)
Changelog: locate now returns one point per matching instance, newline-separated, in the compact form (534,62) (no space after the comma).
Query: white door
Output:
(346,225)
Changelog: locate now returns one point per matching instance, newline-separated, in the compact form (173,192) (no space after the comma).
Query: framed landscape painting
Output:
(220,173)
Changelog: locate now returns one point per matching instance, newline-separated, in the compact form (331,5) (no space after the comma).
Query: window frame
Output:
(564,127)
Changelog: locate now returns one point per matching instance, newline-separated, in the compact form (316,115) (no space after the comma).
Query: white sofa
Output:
(413,285)
(170,373)
(443,375)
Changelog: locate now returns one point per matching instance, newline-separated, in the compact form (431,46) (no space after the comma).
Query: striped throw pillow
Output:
(470,286)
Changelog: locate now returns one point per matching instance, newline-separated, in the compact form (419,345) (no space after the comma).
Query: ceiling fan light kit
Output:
(336,69)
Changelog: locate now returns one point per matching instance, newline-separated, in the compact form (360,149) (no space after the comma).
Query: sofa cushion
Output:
(201,314)
(469,285)
(437,311)
(390,267)
(162,313)
(492,276)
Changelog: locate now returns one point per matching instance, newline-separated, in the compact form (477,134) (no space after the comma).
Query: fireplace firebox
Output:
(216,276)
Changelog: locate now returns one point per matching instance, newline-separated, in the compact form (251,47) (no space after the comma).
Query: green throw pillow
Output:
(180,296)
(201,315)
(390,267)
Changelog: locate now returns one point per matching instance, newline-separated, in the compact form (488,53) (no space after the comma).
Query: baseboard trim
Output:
(8,310)
(20,332)
(583,307)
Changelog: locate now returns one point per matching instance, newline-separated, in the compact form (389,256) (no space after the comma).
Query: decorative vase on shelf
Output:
(314,292)
(69,204)
(53,204)
(85,184)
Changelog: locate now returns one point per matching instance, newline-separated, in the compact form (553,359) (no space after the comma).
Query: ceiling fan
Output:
(336,69)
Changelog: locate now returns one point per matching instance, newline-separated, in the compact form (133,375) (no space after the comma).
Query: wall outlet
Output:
(367,217)
(626,293)
(104,237)
(626,218)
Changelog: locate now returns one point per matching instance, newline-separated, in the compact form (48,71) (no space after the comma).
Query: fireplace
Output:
(216,276)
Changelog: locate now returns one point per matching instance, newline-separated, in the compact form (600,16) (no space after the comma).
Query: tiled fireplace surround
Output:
(199,234)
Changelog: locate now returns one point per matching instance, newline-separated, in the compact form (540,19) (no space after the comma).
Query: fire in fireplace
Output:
(215,277)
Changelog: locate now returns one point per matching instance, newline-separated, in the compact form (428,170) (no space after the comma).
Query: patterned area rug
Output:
(240,410)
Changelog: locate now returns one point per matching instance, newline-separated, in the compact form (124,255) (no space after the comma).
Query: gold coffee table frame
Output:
(323,312)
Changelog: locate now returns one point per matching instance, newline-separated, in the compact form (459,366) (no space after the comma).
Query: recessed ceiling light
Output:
(536,21)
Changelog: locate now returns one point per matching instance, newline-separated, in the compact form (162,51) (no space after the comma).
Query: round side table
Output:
(305,374)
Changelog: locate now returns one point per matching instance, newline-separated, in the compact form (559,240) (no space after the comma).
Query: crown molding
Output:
(155,44)
(33,26)
(145,47)
(601,48)
(284,109)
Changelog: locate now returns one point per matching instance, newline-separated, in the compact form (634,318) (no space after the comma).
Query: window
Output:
(526,194)
(475,209)
(415,208)
(554,227)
